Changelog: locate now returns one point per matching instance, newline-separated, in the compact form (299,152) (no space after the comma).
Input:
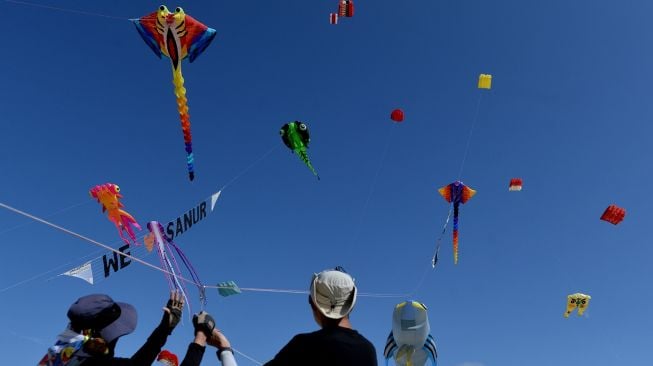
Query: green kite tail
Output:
(304,156)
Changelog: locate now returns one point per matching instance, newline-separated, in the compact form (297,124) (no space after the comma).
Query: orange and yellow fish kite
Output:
(109,196)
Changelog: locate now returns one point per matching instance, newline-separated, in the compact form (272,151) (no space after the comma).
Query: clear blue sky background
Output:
(84,102)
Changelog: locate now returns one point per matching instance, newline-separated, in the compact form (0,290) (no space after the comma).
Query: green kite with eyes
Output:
(296,137)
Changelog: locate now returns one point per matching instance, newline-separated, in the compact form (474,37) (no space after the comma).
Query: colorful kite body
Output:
(166,249)
(456,193)
(613,214)
(577,301)
(177,36)
(410,342)
(485,81)
(345,9)
(296,137)
(109,196)
(515,184)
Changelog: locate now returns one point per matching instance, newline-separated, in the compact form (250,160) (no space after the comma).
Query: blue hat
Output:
(99,312)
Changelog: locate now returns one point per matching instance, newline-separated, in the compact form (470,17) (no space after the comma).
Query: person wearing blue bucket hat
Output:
(96,324)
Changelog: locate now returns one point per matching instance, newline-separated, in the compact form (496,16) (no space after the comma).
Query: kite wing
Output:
(390,348)
(197,38)
(147,28)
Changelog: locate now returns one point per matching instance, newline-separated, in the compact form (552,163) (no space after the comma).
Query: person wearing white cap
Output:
(332,298)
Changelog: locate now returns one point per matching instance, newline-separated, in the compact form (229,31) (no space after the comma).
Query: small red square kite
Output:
(515,184)
(613,214)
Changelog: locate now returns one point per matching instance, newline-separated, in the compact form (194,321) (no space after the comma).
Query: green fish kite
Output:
(295,136)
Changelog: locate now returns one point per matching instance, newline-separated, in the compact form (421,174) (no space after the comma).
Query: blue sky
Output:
(84,102)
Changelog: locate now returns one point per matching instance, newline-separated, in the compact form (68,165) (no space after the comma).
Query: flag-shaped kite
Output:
(177,36)
(613,214)
(485,81)
(515,184)
(456,193)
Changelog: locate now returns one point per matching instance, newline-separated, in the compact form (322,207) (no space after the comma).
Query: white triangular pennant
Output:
(85,272)
(214,199)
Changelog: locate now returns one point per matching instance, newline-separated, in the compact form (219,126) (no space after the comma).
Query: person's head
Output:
(102,318)
(332,296)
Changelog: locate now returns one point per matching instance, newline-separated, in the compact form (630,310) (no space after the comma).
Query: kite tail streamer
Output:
(455,234)
(195,277)
(182,108)
(304,156)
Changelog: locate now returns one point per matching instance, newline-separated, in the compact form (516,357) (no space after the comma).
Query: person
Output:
(96,324)
(332,297)
(206,333)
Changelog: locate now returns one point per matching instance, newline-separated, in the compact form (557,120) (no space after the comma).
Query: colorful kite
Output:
(456,193)
(296,137)
(515,184)
(397,115)
(613,214)
(109,196)
(577,300)
(166,249)
(168,358)
(177,36)
(485,81)
(228,288)
(345,9)
(410,342)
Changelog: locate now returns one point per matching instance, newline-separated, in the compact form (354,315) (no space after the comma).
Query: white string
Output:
(80,12)
(247,357)
(95,242)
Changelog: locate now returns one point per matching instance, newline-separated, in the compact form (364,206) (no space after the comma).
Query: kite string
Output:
(4,231)
(247,357)
(135,259)
(248,168)
(469,137)
(80,12)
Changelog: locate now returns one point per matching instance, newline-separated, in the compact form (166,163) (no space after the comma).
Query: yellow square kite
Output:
(485,81)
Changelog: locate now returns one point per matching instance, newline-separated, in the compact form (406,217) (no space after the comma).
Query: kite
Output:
(168,358)
(577,300)
(485,81)
(456,193)
(109,196)
(613,214)
(410,342)
(515,184)
(397,115)
(228,288)
(166,249)
(296,137)
(345,9)
(177,36)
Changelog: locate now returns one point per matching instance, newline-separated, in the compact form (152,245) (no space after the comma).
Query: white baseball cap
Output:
(333,292)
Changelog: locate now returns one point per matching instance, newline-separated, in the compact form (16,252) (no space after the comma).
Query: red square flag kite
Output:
(515,184)
(613,214)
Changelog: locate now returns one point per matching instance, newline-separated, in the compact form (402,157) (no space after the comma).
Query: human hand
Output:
(218,340)
(203,322)
(172,310)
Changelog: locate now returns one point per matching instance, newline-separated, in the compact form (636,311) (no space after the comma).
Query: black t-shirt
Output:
(334,346)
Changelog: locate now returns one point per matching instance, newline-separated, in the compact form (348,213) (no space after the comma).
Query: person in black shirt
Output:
(332,297)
